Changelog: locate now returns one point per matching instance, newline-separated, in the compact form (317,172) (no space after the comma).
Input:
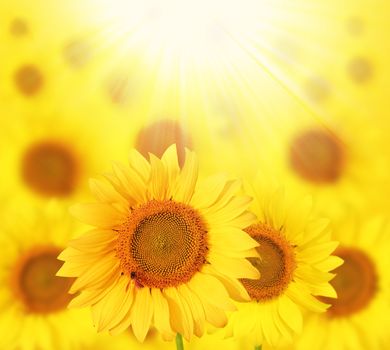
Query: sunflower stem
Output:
(258,347)
(179,342)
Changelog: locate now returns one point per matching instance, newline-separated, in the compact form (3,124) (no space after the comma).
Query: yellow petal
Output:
(290,313)
(181,317)
(169,159)
(208,191)
(185,185)
(158,184)
(231,238)
(301,295)
(215,316)
(233,267)
(161,312)
(133,185)
(97,214)
(233,209)
(215,293)
(94,240)
(235,288)
(139,164)
(141,313)
(104,192)
(196,308)
(110,310)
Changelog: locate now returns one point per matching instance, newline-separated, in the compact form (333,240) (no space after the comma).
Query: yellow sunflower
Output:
(33,300)
(166,251)
(329,160)
(52,154)
(360,317)
(295,262)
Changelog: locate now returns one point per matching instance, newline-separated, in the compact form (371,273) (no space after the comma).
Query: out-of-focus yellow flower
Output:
(295,262)
(33,300)
(51,154)
(162,241)
(360,316)
(127,340)
(338,159)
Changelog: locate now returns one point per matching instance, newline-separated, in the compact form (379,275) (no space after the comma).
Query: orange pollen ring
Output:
(356,283)
(162,244)
(50,168)
(276,263)
(34,281)
(317,156)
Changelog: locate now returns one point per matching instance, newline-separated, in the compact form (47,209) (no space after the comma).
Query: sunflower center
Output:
(157,137)
(29,80)
(35,282)
(50,169)
(317,156)
(18,27)
(162,244)
(355,283)
(360,70)
(276,263)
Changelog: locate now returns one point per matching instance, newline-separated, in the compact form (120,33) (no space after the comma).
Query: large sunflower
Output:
(295,262)
(166,251)
(360,317)
(33,300)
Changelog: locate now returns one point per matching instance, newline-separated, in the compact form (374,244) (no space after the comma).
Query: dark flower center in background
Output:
(50,169)
(317,156)
(157,137)
(35,282)
(356,283)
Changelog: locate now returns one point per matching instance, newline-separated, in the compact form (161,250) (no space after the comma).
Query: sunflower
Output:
(34,300)
(51,153)
(328,161)
(295,262)
(360,316)
(166,251)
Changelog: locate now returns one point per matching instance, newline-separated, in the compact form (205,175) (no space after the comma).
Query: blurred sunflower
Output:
(295,262)
(360,316)
(53,155)
(343,159)
(34,300)
(167,250)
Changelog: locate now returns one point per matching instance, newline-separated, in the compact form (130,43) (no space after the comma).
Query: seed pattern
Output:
(276,264)
(162,244)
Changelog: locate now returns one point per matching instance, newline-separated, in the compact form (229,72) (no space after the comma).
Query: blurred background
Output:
(296,92)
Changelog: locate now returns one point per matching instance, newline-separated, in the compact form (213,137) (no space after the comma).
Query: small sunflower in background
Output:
(295,263)
(167,250)
(360,316)
(34,300)
(331,162)
(52,155)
